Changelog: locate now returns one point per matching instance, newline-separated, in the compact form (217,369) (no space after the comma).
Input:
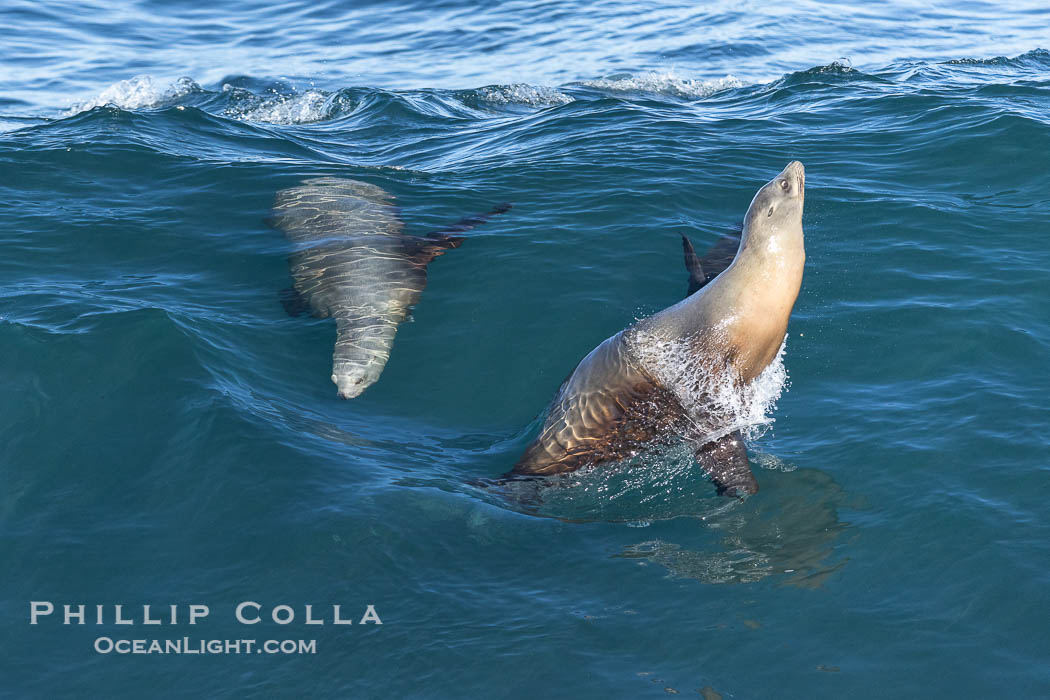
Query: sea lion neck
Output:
(768,251)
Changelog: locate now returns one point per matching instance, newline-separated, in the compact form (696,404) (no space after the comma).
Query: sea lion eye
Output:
(783,184)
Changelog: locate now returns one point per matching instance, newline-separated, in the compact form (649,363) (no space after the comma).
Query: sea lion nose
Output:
(344,388)
(798,171)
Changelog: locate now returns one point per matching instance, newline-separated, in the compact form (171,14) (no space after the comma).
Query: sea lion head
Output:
(351,379)
(778,205)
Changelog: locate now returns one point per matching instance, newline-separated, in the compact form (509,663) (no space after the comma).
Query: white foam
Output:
(664,83)
(715,399)
(523,94)
(138,92)
(296,108)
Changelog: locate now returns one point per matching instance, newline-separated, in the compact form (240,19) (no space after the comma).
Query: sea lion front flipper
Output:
(294,303)
(422,250)
(438,242)
(467,223)
(725,460)
(718,257)
(697,278)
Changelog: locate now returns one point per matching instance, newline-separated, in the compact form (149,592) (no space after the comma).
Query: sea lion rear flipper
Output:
(697,278)
(725,460)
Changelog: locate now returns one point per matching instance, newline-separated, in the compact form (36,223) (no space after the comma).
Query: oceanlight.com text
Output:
(185,645)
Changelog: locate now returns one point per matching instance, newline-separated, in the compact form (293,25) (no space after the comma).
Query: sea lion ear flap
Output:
(697,278)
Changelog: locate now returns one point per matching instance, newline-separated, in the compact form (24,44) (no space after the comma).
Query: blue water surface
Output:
(170,436)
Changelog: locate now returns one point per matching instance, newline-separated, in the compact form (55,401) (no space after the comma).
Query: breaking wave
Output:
(247,100)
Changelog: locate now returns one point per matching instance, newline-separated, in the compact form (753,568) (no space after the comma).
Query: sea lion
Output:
(664,377)
(354,263)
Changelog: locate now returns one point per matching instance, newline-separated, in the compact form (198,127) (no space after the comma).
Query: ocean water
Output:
(170,436)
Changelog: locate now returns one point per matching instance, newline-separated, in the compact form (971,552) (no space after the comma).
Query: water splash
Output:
(715,399)
(655,485)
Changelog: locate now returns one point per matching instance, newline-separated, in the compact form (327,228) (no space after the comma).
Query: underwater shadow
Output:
(790,529)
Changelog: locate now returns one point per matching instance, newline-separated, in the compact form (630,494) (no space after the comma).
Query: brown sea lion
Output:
(667,376)
(354,262)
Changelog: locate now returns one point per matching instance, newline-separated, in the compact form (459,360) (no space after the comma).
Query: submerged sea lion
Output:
(663,378)
(354,263)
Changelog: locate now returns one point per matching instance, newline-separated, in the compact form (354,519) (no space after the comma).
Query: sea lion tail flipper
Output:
(725,460)
(467,223)
(697,279)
